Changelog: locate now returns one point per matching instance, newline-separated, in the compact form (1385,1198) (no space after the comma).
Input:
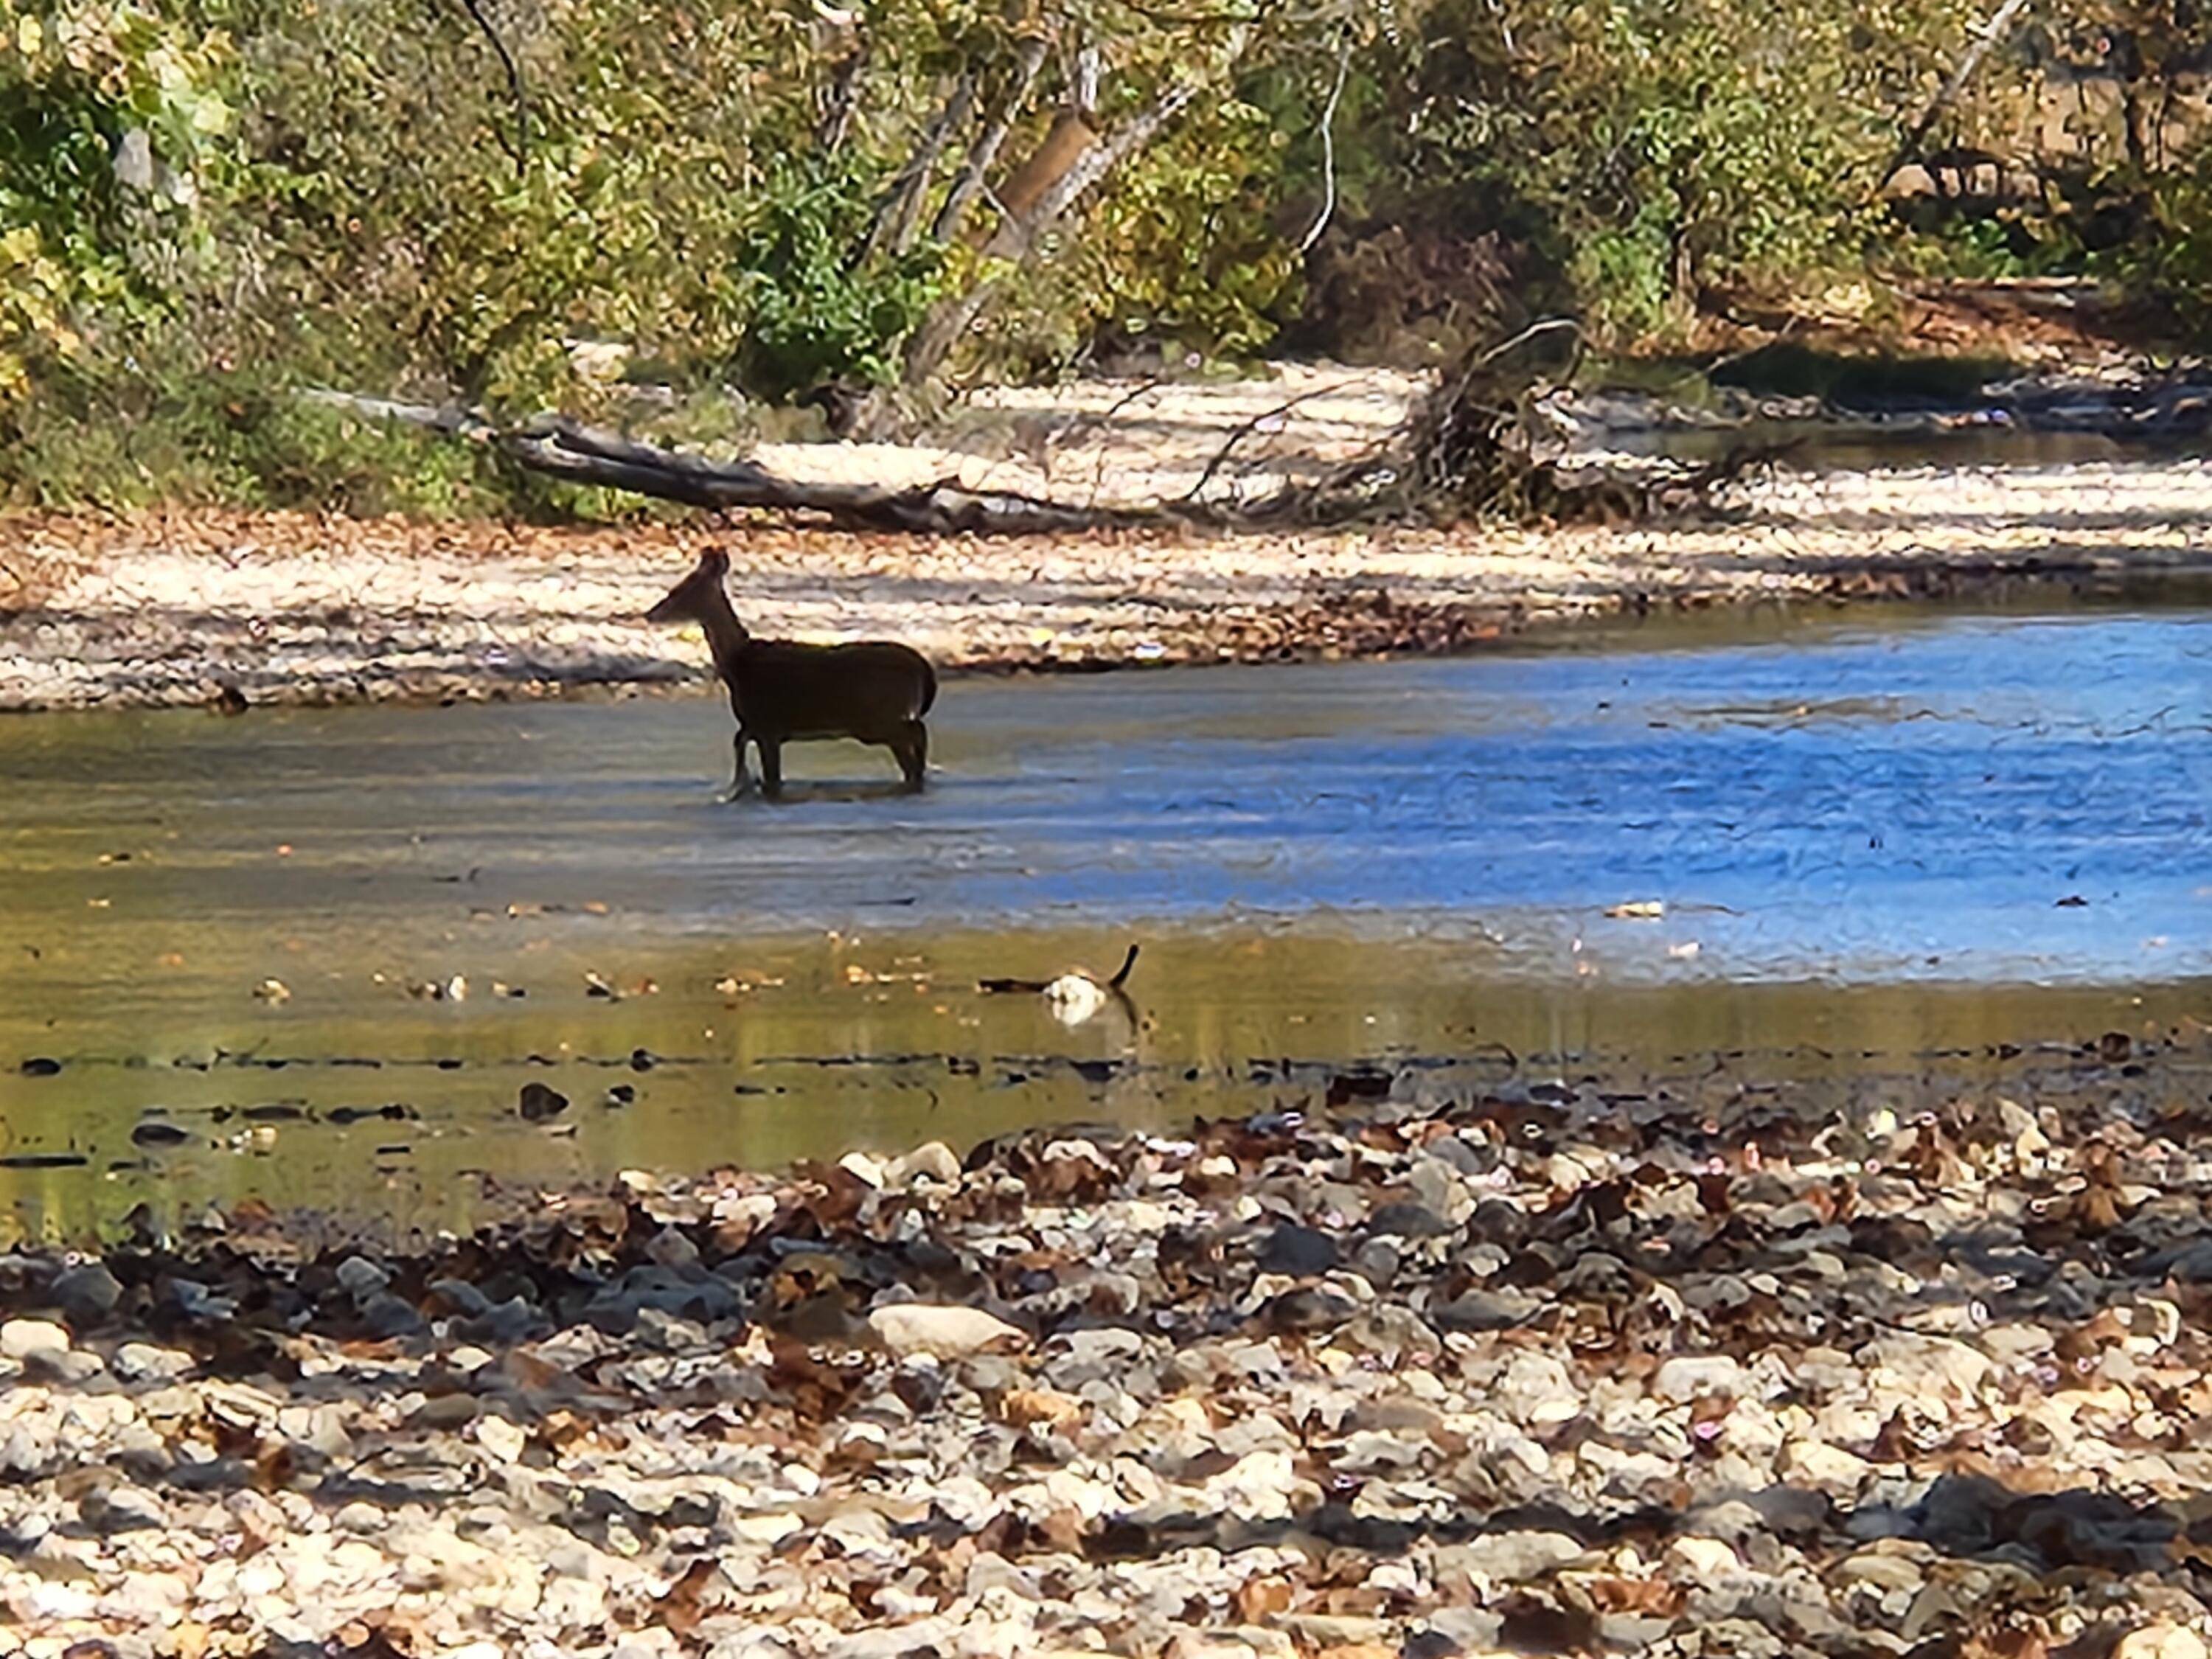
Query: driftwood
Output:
(1476,445)
(563,448)
(1472,447)
(1114,982)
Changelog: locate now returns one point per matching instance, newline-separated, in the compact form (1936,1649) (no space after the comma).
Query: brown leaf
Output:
(1025,1407)
(685,1606)
(275,1466)
(1651,1598)
(1257,1598)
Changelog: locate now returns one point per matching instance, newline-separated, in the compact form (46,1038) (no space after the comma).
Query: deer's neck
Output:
(725,635)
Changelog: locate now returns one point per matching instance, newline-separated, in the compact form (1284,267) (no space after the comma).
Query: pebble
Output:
(2161,1641)
(361,1278)
(144,1362)
(1688,1376)
(1303,1252)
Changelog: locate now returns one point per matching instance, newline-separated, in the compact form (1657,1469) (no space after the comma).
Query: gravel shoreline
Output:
(172,610)
(1553,1371)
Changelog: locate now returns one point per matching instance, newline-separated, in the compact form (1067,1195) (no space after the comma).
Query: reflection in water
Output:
(1989,828)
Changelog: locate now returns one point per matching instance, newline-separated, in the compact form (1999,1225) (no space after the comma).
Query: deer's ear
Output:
(714,562)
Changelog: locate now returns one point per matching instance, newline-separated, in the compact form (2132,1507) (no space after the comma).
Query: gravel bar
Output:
(1551,1371)
(184,609)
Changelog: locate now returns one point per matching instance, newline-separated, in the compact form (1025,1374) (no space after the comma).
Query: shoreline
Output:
(170,609)
(1539,1369)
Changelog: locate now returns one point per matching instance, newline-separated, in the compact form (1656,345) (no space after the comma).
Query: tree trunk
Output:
(1992,35)
(898,220)
(1052,189)
(1064,145)
(984,154)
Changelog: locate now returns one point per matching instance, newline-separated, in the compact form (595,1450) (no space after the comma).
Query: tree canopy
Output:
(514,203)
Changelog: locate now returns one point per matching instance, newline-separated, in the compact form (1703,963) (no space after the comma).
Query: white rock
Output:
(868,1171)
(1705,1559)
(1687,1375)
(1073,998)
(502,1439)
(769,1529)
(935,1162)
(2161,1641)
(142,1362)
(915,1327)
(895,1641)
(1506,1558)
(29,1338)
(1825,1466)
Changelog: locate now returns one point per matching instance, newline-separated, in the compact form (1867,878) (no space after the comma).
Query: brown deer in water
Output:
(782,691)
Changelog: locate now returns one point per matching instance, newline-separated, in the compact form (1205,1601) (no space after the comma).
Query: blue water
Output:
(1896,795)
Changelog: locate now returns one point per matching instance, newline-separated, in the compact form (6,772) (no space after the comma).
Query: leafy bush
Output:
(106,113)
(816,314)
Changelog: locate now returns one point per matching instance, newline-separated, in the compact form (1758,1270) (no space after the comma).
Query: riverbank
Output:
(173,609)
(1544,1371)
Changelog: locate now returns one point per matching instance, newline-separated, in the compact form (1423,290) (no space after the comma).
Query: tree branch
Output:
(518,151)
(1991,34)
(1015,240)
(840,100)
(907,226)
(985,151)
(568,450)
(1248,427)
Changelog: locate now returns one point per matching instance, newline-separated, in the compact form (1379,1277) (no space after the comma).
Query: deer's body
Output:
(783,691)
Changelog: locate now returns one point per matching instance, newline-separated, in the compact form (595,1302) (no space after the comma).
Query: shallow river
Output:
(1862,846)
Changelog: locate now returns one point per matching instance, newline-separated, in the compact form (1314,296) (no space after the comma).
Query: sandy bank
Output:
(169,609)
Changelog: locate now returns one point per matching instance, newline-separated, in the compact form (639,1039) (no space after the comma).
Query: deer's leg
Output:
(771,754)
(912,748)
(741,781)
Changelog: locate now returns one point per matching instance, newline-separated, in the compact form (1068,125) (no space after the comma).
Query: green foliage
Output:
(206,206)
(161,435)
(106,113)
(383,197)
(1187,250)
(816,313)
(1651,149)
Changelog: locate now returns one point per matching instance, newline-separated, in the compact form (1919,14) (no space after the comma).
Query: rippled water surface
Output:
(1885,835)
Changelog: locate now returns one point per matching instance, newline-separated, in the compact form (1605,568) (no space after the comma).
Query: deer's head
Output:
(692,599)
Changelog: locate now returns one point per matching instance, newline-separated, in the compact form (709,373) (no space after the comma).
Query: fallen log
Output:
(563,448)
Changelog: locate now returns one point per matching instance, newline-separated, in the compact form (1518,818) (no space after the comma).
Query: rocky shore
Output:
(1551,1372)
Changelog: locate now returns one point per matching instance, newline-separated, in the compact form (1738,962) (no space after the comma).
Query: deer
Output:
(785,691)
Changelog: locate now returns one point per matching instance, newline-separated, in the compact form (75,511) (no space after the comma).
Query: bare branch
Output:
(1247,428)
(841,99)
(1328,144)
(898,217)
